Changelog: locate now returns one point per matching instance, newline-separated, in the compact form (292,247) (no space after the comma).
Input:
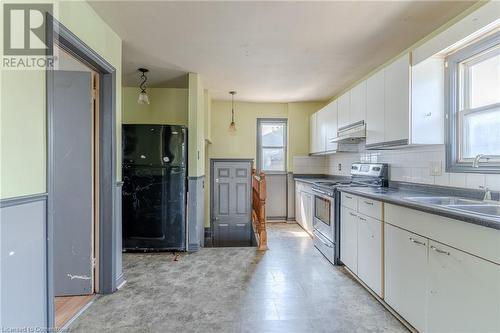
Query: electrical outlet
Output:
(436,168)
(340,166)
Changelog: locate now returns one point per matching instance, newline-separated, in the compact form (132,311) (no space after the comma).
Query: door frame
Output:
(212,188)
(274,173)
(69,42)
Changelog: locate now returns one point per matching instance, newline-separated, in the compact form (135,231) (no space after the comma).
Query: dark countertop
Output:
(397,196)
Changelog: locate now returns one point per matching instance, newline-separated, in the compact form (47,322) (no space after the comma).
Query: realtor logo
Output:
(25,30)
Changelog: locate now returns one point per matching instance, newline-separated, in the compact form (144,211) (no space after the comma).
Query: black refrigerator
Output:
(154,187)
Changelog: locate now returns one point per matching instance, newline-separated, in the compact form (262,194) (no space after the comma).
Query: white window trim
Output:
(284,122)
(457,106)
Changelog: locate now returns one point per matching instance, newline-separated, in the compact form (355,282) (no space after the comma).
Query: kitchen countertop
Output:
(398,196)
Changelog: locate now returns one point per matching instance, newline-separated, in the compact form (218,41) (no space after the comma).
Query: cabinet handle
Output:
(416,241)
(440,251)
(362,219)
(240,224)
(223,225)
(348,197)
(428,114)
(352,214)
(369,203)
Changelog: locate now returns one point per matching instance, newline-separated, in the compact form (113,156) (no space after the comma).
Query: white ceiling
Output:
(268,51)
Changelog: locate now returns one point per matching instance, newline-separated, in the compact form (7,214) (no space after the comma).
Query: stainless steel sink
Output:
(464,205)
(485,209)
(444,201)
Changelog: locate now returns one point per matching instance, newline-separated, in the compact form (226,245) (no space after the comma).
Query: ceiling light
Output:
(143,95)
(232,126)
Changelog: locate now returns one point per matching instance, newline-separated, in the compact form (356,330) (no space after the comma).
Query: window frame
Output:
(455,75)
(260,147)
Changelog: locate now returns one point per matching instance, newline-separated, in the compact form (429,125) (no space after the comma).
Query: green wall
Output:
(243,144)
(167,106)
(23,111)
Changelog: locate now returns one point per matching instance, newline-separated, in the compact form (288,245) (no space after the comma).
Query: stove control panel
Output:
(379,170)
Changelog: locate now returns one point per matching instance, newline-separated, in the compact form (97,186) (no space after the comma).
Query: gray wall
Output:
(119,277)
(196,213)
(23,265)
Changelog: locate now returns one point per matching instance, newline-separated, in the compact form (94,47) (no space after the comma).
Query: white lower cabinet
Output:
(307,217)
(349,239)
(463,292)
(304,206)
(405,287)
(370,252)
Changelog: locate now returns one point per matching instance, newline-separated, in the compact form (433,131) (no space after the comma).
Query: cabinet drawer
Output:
(475,239)
(371,208)
(349,201)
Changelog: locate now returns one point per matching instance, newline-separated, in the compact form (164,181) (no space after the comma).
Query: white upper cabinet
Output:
(313,134)
(331,125)
(375,108)
(397,100)
(358,103)
(321,129)
(404,104)
(344,109)
(427,102)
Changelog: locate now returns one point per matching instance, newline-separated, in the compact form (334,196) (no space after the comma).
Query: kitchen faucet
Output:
(475,163)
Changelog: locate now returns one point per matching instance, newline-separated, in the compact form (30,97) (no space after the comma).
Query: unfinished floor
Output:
(289,288)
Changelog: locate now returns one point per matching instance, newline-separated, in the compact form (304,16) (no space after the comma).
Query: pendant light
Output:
(232,126)
(143,95)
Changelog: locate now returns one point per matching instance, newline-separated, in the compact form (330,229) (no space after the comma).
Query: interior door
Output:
(231,210)
(73,183)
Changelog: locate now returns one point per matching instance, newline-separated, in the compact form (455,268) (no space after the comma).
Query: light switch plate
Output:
(436,168)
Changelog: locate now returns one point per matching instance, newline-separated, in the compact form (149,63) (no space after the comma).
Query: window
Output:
(473,115)
(271,145)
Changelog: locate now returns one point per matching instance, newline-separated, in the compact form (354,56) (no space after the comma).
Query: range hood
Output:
(352,133)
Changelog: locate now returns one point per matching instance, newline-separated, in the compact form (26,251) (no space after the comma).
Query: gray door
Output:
(231,211)
(72,187)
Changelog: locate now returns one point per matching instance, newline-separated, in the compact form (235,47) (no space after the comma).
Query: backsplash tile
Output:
(414,165)
(309,164)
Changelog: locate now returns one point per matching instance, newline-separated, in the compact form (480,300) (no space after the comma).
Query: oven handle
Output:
(320,238)
(319,191)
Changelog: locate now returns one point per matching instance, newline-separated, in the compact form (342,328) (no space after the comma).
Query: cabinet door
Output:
(298,206)
(358,103)
(370,252)
(375,106)
(397,99)
(464,292)
(344,109)
(405,264)
(331,125)
(313,144)
(349,239)
(308,212)
(321,129)
(427,102)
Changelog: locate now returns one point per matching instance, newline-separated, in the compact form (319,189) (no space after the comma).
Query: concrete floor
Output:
(289,288)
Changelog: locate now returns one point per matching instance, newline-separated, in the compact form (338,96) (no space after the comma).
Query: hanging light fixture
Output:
(143,95)
(232,126)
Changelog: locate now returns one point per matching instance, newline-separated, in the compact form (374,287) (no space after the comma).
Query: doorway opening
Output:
(75,137)
(272,159)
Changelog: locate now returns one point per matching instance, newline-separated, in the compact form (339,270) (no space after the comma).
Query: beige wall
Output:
(167,106)
(23,110)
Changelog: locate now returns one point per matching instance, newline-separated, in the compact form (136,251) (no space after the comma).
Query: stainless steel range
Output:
(326,220)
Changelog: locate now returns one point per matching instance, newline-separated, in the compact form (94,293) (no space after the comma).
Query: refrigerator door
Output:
(154,145)
(154,201)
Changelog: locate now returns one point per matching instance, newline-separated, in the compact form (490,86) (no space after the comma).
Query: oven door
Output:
(323,215)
